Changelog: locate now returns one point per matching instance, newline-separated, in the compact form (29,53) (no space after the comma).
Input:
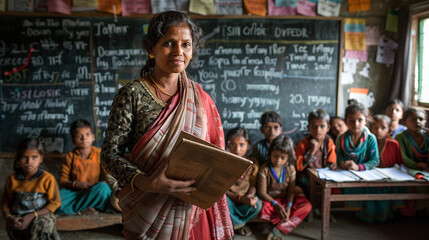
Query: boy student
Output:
(271,127)
(82,192)
(316,150)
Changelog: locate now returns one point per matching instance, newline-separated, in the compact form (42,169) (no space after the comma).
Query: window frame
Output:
(415,34)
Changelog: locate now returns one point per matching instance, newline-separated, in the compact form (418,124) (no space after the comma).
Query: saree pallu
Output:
(161,216)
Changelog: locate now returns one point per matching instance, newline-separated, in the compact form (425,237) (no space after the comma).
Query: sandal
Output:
(275,234)
(244,231)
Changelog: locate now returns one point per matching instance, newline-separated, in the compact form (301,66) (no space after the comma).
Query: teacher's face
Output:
(174,51)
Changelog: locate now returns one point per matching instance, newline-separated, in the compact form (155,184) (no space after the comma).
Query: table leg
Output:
(326,211)
(312,199)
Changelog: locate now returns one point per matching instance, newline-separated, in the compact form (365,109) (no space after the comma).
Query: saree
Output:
(161,216)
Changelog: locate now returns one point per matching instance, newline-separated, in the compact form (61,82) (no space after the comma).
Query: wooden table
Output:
(328,197)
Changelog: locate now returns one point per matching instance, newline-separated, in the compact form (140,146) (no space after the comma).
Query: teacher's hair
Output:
(157,28)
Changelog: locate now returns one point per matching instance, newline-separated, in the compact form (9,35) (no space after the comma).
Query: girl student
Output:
(357,150)
(414,144)
(357,147)
(414,141)
(337,127)
(395,110)
(242,200)
(389,149)
(276,186)
(31,196)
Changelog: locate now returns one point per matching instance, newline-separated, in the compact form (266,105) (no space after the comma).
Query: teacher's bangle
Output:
(289,204)
(274,202)
(132,180)
(35,214)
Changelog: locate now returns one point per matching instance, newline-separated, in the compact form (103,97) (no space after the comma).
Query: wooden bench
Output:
(84,222)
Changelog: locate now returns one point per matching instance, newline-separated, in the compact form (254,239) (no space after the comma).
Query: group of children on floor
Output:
(31,195)
(276,187)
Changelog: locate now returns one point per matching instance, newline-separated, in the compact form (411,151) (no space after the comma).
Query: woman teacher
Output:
(147,116)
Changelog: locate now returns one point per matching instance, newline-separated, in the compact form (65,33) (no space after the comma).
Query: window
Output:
(420,28)
(422,67)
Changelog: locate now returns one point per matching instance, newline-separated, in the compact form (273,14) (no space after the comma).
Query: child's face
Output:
(30,161)
(380,129)
(278,158)
(356,121)
(415,122)
(338,126)
(271,130)
(238,145)
(395,112)
(318,129)
(83,137)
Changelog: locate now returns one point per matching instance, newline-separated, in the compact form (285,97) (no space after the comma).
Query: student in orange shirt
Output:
(30,196)
(81,191)
(316,150)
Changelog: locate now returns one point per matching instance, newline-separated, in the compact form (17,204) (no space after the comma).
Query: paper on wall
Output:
(386,51)
(329,8)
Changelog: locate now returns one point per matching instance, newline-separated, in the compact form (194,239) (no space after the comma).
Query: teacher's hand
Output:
(158,182)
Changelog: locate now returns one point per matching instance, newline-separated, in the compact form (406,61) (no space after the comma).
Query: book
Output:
(376,174)
(215,170)
(337,175)
(370,175)
(393,173)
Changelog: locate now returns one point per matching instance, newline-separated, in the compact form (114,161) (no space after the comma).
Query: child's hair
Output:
(284,144)
(395,101)
(270,116)
(318,114)
(412,110)
(334,118)
(356,107)
(238,131)
(383,117)
(24,145)
(80,123)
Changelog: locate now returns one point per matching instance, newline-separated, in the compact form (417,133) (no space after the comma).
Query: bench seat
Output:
(84,222)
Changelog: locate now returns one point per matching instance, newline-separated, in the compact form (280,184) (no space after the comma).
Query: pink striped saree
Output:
(161,216)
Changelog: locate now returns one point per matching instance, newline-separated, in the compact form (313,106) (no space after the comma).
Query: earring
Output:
(151,55)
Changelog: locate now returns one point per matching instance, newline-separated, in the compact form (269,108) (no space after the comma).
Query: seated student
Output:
(337,127)
(414,141)
(414,144)
(276,187)
(30,196)
(390,154)
(243,203)
(357,148)
(82,191)
(271,127)
(316,150)
(395,109)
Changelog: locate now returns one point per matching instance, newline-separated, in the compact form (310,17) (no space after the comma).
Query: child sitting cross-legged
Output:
(243,203)
(30,196)
(276,186)
(82,191)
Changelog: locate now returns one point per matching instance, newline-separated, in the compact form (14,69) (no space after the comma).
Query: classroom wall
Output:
(378,82)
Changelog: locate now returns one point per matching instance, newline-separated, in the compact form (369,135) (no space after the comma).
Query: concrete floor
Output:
(345,227)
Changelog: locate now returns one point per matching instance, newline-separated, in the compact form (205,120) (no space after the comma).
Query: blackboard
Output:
(58,69)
